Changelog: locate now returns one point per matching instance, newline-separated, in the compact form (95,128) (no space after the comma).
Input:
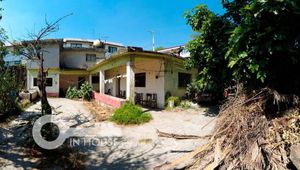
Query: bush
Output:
(186,104)
(130,114)
(25,103)
(72,93)
(8,93)
(175,99)
(86,91)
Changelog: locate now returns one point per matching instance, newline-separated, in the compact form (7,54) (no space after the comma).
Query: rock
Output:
(295,155)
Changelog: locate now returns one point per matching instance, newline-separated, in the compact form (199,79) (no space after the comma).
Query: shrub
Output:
(72,93)
(25,103)
(130,114)
(175,99)
(185,104)
(86,91)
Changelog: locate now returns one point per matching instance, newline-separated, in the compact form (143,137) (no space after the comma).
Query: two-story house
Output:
(67,61)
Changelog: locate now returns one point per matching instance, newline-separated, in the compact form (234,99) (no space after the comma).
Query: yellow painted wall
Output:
(172,68)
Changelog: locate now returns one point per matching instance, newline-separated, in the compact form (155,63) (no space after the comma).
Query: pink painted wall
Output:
(52,94)
(108,100)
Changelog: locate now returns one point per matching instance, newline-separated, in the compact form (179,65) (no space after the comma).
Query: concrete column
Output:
(129,81)
(90,79)
(114,89)
(101,81)
(58,83)
(29,77)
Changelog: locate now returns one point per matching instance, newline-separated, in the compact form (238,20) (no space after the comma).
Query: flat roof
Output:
(91,41)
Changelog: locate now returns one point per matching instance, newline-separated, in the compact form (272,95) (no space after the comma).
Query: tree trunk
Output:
(46,108)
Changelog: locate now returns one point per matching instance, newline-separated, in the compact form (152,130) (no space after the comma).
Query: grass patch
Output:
(130,114)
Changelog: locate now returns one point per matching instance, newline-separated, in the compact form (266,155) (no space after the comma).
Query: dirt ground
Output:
(138,147)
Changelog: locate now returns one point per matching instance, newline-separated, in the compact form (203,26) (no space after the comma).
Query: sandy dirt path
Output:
(138,147)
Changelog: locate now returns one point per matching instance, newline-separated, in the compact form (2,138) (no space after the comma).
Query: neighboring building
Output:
(177,50)
(116,73)
(67,61)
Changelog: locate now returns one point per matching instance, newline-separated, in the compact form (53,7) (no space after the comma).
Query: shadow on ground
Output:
(108,153)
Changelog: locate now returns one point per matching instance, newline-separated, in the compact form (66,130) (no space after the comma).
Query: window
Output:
(140,80)
(91,57)
(95,79)
(49,82)
(184,79)
(76,45)
(112,49)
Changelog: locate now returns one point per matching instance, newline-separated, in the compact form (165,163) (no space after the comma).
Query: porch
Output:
(139,80)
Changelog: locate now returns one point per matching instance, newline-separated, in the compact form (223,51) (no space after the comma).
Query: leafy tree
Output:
(264,46)
(8,85)
(208,49)
(255,42)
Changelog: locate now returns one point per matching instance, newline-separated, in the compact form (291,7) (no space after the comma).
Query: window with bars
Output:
(140,80)
(112,49)
(49,82)
(184,79)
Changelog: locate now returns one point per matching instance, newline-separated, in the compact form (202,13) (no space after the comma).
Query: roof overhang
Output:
(144,54)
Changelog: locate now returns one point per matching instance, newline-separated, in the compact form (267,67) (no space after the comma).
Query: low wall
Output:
(52,94)
(108,100)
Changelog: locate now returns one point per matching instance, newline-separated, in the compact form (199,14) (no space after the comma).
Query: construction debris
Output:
(180,137)
(100,113)
(250,134)
(295,155)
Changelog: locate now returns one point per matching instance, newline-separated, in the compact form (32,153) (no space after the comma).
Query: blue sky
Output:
(124,21)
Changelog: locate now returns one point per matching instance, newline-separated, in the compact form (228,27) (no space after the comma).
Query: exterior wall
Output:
(108,100)
(51,57)
(172,68)
(77,59)
(107,54)
(51,91)
(67,81)
(84,44)
(154,69)
(154,78)
(111,79)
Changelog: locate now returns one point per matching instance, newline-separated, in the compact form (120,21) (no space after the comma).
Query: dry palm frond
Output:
(250,134)
(249,138)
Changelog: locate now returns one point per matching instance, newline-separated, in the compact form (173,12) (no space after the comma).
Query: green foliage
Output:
(72,93)
(8,86)
(130,114)
(185,104)
(25,103)
(208,49)
(86,91)
(167,95)
(159,48)
(174,99)
(255,43)
(264,47)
